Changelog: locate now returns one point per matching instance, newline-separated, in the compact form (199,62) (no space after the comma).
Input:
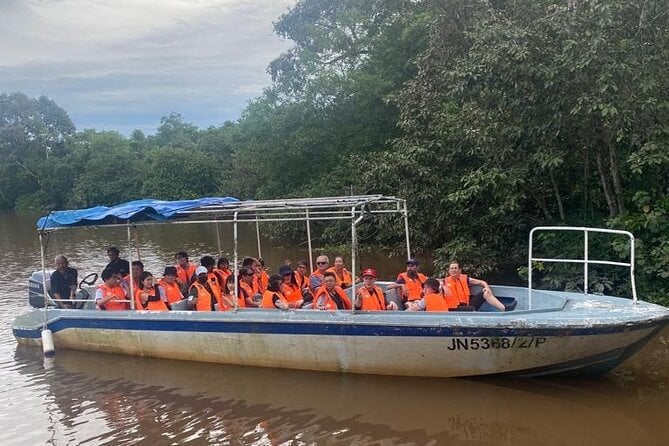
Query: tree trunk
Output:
(615,176)
(606,186)
(558,197)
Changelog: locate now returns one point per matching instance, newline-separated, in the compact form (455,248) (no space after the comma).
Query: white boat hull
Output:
(528,343)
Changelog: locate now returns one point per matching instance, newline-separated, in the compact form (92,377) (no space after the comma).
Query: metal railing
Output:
(585,261)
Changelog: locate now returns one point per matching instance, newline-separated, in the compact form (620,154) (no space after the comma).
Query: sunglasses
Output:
(321,263)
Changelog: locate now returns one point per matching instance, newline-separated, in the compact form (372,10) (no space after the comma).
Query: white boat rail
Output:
(585,261)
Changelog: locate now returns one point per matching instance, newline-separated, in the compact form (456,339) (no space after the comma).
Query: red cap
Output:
(369,272)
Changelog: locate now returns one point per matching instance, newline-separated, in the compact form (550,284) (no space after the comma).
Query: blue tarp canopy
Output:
(134,211)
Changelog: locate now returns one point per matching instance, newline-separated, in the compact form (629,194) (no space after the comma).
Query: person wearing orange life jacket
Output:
(458,295)
(228,298)
(432,299)
(216,281)
(200,295)
(302,274)
(330,296)
(137,268)
(411,282)
(272,297)
(251,298)
(223,268)
(289,287)
(185,271)
(168,286)
(148,296)
(342,275)
(316,277)
(370,297)
(261,275)
(109,293)
(257,282)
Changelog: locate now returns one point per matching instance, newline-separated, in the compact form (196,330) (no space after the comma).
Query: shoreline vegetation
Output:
(489,118)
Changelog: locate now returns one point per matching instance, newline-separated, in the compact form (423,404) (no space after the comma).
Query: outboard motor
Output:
(36,289)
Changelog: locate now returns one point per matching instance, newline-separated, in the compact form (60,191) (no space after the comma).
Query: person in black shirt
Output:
(117,264)
(63,283)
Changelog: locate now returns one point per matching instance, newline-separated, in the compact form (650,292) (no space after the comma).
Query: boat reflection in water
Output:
(101,398)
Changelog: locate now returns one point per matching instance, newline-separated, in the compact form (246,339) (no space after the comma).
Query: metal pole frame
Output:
(586,257)
(311,255)
(405,212)
(46,294)
(131,284)
(235,270)
(258,237)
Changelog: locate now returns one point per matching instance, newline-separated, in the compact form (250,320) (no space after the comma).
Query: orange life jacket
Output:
(119,294)
(372,300)
(245,291)
(184,275)
(302,281)
(457,290)
(264,280)
(413,287)
(157,305)
(223,274)
(343,279)
(268,299)
(172,291)
(216,287)
(292,292)
(435,302)
(323,298)
(205,301)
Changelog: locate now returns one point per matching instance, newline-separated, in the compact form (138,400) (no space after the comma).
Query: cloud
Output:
(122,64)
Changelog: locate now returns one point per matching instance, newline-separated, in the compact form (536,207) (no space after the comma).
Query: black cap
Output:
(170,271)
(412,261)
(285,269)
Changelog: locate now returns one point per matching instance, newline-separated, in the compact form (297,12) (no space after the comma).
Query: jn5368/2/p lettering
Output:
(495,343)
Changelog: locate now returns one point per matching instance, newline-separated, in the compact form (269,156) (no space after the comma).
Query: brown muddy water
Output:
(92,399)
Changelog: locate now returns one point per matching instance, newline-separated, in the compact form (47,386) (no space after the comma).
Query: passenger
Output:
(331,296)
(316,277)
(256,282)
(185,271)
(432,299)
(272,297)
(458,295)
(117,264)
(251,298)
(289,287)
(108,294)
(342,275)
(228,296)
(149,296)
(301,274)
(200,295)
(371,297)
(263,277)
(410,281)
(223,268)
(63,283)
(216,281)
(137,270)
(169,287)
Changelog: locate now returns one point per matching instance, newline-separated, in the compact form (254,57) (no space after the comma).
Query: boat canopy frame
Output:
(354,208)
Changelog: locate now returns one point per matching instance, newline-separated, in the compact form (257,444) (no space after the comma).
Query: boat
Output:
(543,333)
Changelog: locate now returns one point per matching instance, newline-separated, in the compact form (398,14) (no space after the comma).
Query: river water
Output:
(88,398)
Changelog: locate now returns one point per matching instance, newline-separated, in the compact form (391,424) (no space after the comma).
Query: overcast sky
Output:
(123,64)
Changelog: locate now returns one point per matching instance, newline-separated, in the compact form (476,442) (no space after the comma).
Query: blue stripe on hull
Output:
(319,328)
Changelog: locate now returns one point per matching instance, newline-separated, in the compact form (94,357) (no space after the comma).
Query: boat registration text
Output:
(495,343)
